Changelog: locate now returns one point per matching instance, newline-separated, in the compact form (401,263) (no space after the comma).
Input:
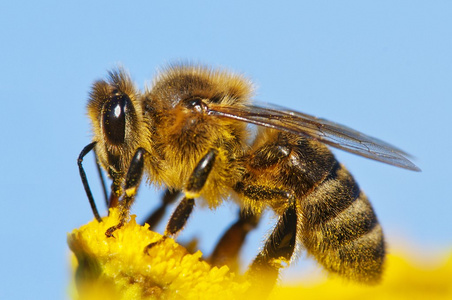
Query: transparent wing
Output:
(333,134)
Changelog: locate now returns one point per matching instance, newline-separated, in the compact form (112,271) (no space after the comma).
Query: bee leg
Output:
(177,220)
(227,249)
(168,198)
(278,249)
(116,189)
(195,183)
(199,176)
(88,192)
(180,216)
(102,179)
(280,245)
(132,182)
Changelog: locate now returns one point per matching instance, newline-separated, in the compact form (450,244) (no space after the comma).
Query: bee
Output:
(189,132)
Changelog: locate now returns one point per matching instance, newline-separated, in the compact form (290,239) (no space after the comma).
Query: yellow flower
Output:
(401,280)
(118,267)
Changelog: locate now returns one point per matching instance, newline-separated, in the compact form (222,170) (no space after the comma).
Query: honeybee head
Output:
(114,111)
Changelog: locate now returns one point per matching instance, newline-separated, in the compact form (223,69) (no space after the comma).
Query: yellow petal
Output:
(118,267)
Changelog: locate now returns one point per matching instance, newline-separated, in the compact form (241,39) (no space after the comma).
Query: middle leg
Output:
(193,188)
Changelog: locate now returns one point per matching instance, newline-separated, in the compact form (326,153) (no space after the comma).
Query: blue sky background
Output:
(384,68)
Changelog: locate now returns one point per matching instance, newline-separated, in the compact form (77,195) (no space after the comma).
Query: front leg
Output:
(196,182)
(132,181)
(89,194)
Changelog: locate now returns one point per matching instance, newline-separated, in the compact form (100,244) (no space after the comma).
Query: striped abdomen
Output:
(335,222)
(340,229)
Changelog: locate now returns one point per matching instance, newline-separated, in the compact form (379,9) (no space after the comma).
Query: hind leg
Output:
(280,245)
(227,249)
(277,252)
(156,216)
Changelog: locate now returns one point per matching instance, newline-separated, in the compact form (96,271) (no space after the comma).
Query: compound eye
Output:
(114,118)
